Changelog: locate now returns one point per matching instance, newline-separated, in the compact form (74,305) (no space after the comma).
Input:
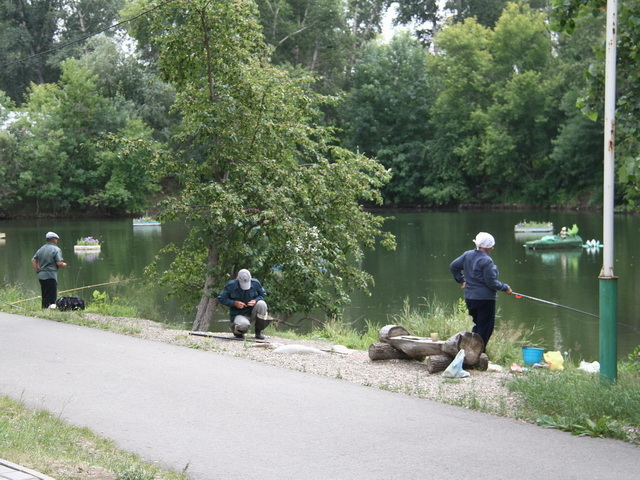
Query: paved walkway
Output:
(11,471)
(230,418)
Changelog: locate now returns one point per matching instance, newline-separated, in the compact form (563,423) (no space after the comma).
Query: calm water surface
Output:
(417,271)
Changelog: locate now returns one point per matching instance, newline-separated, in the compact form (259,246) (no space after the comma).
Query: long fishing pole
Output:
(73,290)
(522,295)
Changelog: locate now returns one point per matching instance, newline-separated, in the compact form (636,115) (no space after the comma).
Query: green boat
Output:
(550,242)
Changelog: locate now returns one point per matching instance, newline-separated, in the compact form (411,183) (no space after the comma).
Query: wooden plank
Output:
(389,331)
(416,347)
(227,337)
(384,351)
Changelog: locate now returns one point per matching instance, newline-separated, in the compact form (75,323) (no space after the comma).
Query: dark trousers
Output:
(483,313)
(49,290)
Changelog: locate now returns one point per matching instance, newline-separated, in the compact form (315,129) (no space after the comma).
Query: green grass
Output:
(421,320)
(40,441)
(582,403)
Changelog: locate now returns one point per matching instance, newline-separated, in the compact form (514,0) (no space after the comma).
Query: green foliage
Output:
(63,157)
(104,304)
(581,403)
(313,36)
(263,187)
(135,473)
(388,111)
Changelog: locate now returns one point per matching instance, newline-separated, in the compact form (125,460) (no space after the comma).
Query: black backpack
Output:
(70,303)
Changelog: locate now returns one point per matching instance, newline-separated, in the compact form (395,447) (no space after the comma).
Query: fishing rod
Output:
(73,290)
(522,295)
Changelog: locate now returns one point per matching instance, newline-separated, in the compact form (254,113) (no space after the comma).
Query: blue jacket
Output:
(233,292)
(476,268)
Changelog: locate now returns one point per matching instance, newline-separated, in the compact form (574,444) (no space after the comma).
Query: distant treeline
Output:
(497,103)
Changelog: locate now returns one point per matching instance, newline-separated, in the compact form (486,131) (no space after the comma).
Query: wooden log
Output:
(389,331)
(470,342)
(384,351)
(483,363)
(416,347)
(438,363)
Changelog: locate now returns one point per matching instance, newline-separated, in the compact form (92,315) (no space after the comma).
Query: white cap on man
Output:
(244,277)
(484,240)
(51,235)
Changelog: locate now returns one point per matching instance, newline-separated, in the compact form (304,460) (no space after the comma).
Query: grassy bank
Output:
(40,441)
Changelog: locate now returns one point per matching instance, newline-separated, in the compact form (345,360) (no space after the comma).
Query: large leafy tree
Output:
(569,16)
(262,186)
(494,112)
(389,111)
(27,30)
(38,35)
(66,160)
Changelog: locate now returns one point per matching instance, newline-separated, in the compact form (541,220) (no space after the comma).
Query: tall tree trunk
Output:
(209,301)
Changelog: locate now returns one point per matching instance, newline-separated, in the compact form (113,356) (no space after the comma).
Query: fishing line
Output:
(522,295)
(73,290)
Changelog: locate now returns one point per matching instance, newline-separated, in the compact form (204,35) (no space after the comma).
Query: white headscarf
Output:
(484,240)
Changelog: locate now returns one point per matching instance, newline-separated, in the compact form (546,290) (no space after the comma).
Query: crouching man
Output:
(245,298)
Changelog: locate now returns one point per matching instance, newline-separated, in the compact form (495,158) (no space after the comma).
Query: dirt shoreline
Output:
(482,390)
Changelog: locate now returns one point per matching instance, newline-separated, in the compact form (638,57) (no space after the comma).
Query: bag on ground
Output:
(65,304)
(454,370)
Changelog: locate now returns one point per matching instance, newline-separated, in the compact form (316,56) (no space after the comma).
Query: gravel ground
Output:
(482,390)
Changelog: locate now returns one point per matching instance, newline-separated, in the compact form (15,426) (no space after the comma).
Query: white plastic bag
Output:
(593,367)
(454,370)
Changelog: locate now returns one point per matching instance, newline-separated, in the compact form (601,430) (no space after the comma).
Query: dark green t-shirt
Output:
(48,255)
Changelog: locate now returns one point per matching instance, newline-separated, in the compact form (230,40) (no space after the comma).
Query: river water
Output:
(417,271)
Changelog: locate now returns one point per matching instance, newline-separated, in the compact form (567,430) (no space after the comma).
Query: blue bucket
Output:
(532,355)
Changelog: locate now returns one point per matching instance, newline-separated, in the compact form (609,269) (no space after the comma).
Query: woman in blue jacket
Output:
(477,273)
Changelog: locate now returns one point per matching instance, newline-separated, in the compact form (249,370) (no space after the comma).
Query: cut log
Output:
(483,363)
(470,342)
(438,363)
(389,331)
(384,351)
(416,347)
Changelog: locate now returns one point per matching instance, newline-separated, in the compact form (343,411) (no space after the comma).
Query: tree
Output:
(65,160)
(262,186)
(389,111)
(569,17)
(27,29)
(124,78)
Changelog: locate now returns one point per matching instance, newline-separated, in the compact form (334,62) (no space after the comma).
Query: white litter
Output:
(493,367)
(298,349)
(341,349)
(593,367)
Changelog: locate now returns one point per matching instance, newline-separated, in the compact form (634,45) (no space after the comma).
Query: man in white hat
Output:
(477,273)
(245,298)
(46,262)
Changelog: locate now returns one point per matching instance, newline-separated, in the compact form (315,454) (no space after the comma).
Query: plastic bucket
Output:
(532,355)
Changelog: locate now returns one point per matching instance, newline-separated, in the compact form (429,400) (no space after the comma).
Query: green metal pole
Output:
(609,329)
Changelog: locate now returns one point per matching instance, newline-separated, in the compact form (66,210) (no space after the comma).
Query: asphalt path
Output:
(222,417)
